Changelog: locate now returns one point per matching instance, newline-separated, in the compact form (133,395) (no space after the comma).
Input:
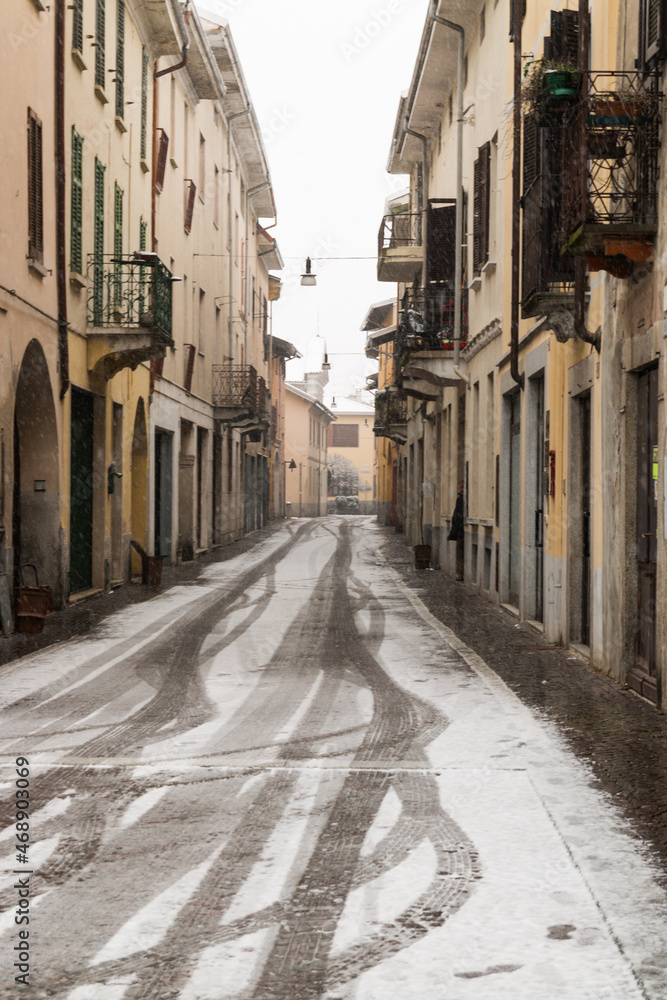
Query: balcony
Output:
(240,398)
(425,340)
(611,170)
(128,311)
(391,415)
(400,250)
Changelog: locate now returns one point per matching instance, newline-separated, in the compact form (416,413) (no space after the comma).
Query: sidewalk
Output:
(620,736)
(80,618)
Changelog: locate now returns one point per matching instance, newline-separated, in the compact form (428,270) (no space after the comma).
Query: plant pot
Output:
(560,83)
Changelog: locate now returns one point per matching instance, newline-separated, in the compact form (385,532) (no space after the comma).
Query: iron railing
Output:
(426,319)
(239,386)
(130,292)
(611,156)
(400,230)
(391,416)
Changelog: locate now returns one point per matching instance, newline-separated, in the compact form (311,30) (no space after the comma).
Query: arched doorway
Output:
(139,483)
(36,494)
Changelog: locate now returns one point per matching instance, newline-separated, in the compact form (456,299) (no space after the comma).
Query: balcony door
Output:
(515,501)
(81,492)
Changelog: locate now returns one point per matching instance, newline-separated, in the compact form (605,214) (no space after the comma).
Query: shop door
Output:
(163,494)
(644,677)
(515,500)
(81,493)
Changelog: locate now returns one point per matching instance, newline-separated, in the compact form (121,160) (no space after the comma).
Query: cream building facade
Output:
(548,405)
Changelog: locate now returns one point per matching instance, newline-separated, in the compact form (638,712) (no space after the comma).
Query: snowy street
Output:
(289,781)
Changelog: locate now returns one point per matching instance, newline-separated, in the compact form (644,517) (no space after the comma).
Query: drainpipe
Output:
(516,199)
(580,267)
(183,19)
(230,222)
(61,280)
(458,267)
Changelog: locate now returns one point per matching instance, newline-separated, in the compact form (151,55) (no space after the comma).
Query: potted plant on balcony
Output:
(548,90)
(623,107)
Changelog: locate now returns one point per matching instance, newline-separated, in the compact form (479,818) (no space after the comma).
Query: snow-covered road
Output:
(288,781)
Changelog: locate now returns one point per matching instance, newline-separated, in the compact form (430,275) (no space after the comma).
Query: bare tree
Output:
(343,476)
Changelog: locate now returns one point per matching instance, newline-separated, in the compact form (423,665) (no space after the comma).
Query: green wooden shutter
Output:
(100,29)
(118,242)
(143,229)
(98,245)
(76,224)
(77,25)
(144,104)
(120,59)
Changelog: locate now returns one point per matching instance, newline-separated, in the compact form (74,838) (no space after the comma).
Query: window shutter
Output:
(118,242)
(100,39)
(76,225)
(653,15)
(481,208)
(189,366)
(441,242)
(144,103)
(477,217)
(163,146)
(120,59)
(563,44)
(98,245)
(35,192)
(143,229)
(190,192)
(77,25)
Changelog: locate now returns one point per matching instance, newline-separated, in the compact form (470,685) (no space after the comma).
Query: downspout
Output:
(458,265)
(63,347)
(580,266)
(517,27)
(230,223)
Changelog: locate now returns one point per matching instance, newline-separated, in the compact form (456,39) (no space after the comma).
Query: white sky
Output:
(325,80)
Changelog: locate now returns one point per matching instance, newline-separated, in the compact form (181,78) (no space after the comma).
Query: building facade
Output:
(136,386)
(531,363)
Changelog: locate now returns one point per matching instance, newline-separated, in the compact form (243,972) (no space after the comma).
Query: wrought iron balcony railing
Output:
(391,415)
(611,165)
(239,387)
(426,320)
(130,292)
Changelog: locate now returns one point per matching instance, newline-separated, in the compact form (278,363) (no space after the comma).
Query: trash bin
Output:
(288,508)
(422,556)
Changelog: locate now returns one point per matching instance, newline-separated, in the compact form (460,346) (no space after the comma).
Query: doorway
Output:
(515,500)
(163,494)
(644,676)
(81,491)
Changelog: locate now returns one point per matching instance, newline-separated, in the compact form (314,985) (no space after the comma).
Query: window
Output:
(76,223)
(77,25)
(216,198)
(344,435)
(143,141)
(100,27)
(481,208)
(35,195)
(451,108)
(190,192)
(482,24)
(120,59)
